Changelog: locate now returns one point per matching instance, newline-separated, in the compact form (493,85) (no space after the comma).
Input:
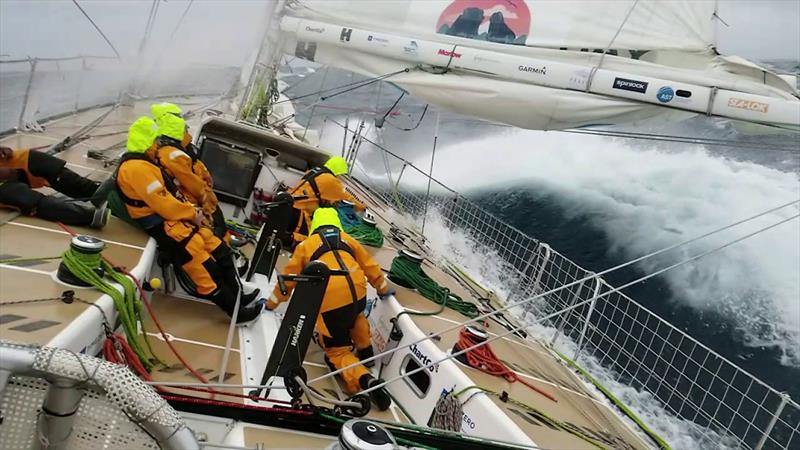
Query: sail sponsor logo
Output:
(319,30)
(749,105)
(448,53)
(411,48)
(533,69)
(630,85)
(665,94)
(377,39)
(344,36)
(297,329)
(424,359)
(479,58)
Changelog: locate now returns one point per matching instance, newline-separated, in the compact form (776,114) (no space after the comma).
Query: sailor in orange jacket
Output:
(172,153)
(22,171)
(319,187)
(176,225)
(341,323)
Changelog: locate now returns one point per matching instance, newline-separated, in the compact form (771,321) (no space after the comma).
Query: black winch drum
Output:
(360,434)
(87,245)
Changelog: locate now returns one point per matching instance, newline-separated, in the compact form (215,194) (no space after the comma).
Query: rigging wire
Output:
(567,285)
(96,27)
(180,21)
(554,314)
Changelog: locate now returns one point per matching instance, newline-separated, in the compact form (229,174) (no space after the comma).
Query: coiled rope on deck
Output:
(409,273)
(357,228)
(88,268)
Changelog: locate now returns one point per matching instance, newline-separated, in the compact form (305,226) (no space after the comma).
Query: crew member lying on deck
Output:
(341,323)
(175,154)
(319,188)
(22,171)
(151,200)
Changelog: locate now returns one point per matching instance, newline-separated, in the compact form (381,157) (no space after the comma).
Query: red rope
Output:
(484,359)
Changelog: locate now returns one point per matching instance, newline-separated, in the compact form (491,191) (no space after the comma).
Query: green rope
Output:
(366,234)
(617,402)
(86,267)
(553,422)
(410,274)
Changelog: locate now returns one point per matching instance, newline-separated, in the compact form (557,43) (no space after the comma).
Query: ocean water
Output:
(601,201)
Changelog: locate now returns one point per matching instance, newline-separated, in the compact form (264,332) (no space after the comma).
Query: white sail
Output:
(530,86)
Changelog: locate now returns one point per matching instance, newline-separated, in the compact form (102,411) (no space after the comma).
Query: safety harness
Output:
(311,178)
(332,242)
(153,219)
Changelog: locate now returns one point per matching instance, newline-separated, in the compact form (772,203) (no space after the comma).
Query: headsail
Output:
(536,65)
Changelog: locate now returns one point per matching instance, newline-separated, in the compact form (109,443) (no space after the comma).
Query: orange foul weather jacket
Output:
(192,177)
(361,267)
(45,165)
(329,190)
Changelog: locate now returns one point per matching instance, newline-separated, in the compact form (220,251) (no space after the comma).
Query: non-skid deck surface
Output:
(264,437)
(27,237)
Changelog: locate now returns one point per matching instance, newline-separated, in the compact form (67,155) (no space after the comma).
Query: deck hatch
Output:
(419,382)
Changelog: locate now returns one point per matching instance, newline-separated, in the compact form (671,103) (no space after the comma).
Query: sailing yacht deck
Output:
(198,329)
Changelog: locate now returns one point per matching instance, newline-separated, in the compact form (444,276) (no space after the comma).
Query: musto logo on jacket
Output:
(499,21)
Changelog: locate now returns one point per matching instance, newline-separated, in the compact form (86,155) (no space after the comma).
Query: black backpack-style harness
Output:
(311,178)
(168,182)
(332,242)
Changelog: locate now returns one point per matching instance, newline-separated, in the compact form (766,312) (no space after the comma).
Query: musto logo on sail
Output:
(665,94)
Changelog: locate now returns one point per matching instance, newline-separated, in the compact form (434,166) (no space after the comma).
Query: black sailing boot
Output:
(379,396)
(365,353)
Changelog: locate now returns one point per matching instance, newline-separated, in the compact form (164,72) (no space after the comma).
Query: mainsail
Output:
(545,65)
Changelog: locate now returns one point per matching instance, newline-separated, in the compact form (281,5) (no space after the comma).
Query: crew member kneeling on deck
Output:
(150,199)
(175,153)
(341,324)
(319,188)
(22,171)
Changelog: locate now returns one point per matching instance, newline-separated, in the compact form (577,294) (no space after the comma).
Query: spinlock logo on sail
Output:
(531,69)
(749,105)
(297,329)
(315,29)
(665,94)
(630,85)
(449,53)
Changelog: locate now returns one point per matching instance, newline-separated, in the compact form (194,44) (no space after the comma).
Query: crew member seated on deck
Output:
(319,187)
(150,198)
(175,154)
(341,324)
(22,171)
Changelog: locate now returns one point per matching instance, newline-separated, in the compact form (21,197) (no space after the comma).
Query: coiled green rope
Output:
(365,233)
(409,273)
(128,304)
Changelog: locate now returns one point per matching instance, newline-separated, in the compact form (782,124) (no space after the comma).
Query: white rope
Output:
(577,305)
(562,287)
(608,47)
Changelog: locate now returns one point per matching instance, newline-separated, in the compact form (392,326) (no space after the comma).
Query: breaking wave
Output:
(644,199)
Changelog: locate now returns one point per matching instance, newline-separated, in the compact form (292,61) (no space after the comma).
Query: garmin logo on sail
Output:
(297,329)
(532,69)
(630,85)
(749,105)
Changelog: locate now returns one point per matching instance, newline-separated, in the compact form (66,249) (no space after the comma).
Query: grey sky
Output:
(227,32)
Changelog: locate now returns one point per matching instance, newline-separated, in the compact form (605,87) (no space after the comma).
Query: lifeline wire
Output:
(557,313)
(582,280)
(549,316)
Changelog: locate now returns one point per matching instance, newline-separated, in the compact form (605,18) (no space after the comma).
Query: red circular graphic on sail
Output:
(504,21)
